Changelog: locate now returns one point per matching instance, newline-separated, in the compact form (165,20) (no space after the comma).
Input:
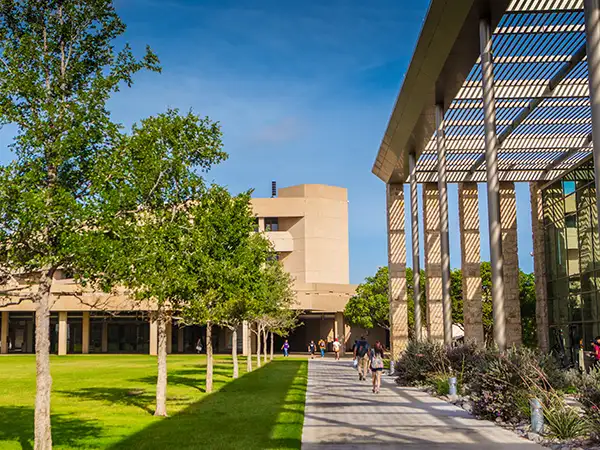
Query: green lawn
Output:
(106,401)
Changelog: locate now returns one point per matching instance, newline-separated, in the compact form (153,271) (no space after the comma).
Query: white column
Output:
(444,233)
(62,333)
(153,337)
(416,254)
(493,184)
(4,333)
(592,30)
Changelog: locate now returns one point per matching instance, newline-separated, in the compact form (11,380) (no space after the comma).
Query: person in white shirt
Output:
(337,346)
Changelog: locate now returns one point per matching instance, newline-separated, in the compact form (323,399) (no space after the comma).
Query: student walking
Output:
(337,346)
(376,357)
(361,354)
(286,348)
(322,347)
(312,348)
(596,347)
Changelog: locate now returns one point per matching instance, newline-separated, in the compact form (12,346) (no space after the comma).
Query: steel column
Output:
(493,184)
(444,237)
(416,257)
(592,31)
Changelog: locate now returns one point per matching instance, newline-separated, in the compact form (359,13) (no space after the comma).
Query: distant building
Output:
(308,226)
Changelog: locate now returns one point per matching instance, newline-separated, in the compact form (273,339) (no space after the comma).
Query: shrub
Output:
(588,394)
(503,384)
(564,422)
(419,361)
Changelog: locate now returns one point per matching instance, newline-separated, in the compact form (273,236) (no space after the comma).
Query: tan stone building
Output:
(308,226)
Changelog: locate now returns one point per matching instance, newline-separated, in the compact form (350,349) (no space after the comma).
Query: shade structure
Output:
(543,116)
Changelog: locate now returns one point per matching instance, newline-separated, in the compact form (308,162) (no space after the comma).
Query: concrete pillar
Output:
(153,337)
(397,269)
(85,333)
(169,337)
(104,337)
(180,340)
(4,333)
(539,267)
(512,303)
(493,183)
(433,261)
(444,226)
(29,334)
(245,331)
(416,245)
(470,243)
(62,333)
(592,30)
(340,331)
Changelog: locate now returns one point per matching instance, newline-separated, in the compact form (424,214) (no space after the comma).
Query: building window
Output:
(271,224)
(256,224)
(573,258)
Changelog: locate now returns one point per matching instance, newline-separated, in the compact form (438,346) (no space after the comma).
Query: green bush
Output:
(564,422)
(588,394)
(419,362)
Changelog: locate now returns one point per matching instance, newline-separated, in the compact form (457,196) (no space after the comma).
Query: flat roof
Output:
(543,116)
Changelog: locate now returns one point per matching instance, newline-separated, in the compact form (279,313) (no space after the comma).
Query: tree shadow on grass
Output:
(17,425)
(124,396)
(262,409)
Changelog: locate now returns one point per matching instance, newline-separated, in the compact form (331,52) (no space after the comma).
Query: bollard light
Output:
(452,386)
(537,416)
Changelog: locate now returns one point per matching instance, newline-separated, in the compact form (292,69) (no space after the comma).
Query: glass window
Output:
(271,224)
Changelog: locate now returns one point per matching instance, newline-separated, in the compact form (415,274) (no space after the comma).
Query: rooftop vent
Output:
(273,189)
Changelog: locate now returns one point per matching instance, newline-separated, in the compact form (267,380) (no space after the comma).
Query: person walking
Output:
(199,345)
(312,348)
(361,354)
(286,348)
(596,346)
(337,346)
(376,357)
(322,347)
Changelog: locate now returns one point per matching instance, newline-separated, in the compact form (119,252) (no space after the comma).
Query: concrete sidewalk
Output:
(343,413)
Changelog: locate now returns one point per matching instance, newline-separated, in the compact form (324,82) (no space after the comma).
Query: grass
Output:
(107,401)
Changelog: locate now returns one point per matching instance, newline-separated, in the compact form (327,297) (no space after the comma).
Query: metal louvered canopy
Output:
(543,116)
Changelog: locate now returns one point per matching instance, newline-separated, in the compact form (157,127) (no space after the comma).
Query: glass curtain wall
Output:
(572,261)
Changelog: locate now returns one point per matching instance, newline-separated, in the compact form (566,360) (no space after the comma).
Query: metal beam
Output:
(534,103)
(444,234)
(493,185)
(416,256)
(564,156)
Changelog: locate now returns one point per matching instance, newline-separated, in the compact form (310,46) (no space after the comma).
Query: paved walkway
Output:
(343,413)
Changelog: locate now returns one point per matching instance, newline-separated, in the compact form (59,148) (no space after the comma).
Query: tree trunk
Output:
(249,347)
(265,340)
(258,344)
(209,358)
(161,382)
(234,353)
(43,434)
(272,345)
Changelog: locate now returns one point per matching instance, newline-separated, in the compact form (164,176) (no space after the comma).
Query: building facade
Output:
(308,226)
(500,92)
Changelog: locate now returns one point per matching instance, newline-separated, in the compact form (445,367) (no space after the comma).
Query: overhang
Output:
(542,101)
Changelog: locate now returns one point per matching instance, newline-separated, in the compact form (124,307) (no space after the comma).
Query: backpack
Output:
(363,348)
(377,362)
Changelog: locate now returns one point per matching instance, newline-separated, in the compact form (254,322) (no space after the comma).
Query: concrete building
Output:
(499,92)
(308,226)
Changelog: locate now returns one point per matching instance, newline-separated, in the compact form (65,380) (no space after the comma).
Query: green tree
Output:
(58,68)
(456,295)
(155,197)
(370,306)
(217,243)
(528,301)
(411,302)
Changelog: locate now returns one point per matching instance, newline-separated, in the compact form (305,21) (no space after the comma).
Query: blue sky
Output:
(303,91)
